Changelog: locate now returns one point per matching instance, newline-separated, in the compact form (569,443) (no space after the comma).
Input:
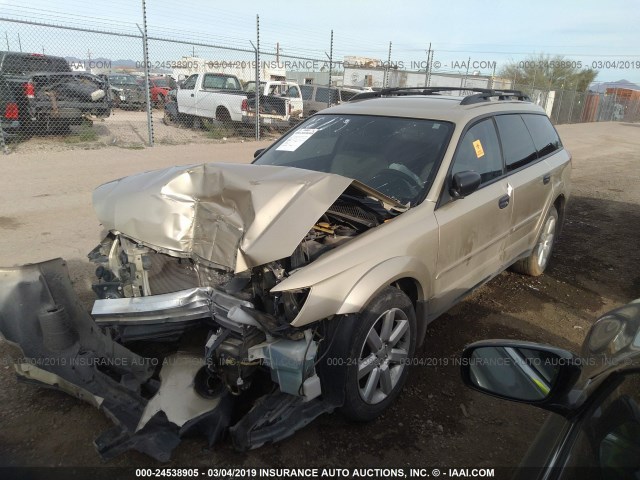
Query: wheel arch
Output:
(222,112)
(560,203)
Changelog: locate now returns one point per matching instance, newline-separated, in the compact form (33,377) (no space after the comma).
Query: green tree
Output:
(545,72)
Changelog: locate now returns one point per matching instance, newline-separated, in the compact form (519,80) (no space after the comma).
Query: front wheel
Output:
(381,347)
(536,263)
(160,101)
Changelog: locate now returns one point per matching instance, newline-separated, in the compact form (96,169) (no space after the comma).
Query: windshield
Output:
(396,156)
(122,80)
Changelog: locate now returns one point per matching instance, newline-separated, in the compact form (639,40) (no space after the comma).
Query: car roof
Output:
(434,107)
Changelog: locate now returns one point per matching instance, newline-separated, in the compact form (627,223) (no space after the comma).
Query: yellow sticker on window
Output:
(479,150)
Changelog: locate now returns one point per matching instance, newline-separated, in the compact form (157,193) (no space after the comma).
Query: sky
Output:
(604,35)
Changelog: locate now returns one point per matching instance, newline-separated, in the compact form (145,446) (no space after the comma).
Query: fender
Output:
(367,281)
(381,276)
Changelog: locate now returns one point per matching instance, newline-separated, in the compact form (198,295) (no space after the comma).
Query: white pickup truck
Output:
(212,95)
(220,96)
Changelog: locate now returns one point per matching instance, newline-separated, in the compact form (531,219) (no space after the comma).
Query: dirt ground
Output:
(45,211)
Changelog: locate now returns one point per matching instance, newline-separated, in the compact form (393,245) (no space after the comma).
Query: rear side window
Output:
(346,96)
(220,82)
(517,145)
(307,92)
(479,151)
(325,95)
(544,135)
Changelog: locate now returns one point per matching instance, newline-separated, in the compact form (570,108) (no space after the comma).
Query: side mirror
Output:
(464,183)
(258,152)
(521,371)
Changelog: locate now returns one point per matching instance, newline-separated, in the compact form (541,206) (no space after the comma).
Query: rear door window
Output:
(544,135)
(517,146)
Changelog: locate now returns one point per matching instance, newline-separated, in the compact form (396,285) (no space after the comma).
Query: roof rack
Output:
(481,95)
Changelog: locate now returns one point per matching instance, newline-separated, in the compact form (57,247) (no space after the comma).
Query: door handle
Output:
(546,179)
(503,201)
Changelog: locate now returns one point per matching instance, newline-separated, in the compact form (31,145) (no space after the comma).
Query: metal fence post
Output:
(145,55)
(330,68)
(5,150)
(573,99)
(256,49)
(385,82)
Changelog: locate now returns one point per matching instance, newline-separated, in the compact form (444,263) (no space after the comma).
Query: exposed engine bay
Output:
(188,341)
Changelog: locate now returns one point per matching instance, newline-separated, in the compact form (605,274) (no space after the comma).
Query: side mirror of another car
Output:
(526,372)
(258,152)
(464,183)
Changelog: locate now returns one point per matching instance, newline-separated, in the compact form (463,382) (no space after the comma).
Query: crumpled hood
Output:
(229,215)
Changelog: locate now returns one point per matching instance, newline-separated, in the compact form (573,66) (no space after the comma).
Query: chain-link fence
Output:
(68,81)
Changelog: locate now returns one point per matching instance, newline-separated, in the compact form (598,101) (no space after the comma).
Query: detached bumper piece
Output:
(63,349)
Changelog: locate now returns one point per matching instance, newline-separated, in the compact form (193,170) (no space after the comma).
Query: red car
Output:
(160,87)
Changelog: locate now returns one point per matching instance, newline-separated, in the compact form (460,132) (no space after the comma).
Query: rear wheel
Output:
(536,263)
(381,347)
(222,115)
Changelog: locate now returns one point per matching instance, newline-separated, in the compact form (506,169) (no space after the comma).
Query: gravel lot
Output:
(126,129)
(45,211)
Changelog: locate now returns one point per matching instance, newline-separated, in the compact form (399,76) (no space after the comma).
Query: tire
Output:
(536,263)
(168,119)
(381,346)
(222,115)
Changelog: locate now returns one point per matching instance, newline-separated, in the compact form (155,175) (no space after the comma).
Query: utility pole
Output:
(386,70)
(426,70)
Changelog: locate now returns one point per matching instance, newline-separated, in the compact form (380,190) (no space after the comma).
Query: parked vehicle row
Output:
(40,93)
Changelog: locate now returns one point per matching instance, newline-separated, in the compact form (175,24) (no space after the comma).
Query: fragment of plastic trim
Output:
(64,349)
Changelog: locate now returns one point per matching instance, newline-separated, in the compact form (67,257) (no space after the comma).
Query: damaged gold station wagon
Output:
(253,298)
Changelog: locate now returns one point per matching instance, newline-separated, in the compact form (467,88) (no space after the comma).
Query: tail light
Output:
(29,90)
(11,111)
(245,105)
